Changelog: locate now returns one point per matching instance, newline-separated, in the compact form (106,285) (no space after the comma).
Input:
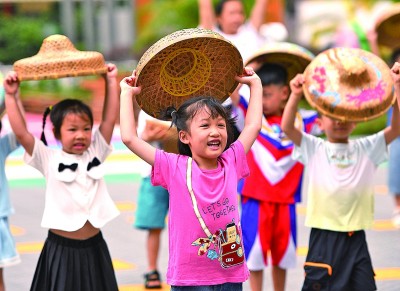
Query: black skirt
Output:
(74,265)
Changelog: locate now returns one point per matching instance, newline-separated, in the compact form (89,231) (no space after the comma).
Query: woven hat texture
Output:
(387,26)
(184,64)
(349,84)
(58,58)
(2,97)
(289,55)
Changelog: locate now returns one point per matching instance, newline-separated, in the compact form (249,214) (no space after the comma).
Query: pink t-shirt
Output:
(216,194)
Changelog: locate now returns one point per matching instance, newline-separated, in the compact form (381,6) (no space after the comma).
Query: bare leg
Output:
(153,248)
(2,287)
(256,280)
(278,278)
(396,217)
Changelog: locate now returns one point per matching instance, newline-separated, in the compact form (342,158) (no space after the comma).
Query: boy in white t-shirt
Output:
(340,194)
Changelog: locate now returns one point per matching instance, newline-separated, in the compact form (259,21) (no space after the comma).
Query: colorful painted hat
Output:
(289,55)
(2,97)
(387,26)
(187,63)
(58,58)
(349,84)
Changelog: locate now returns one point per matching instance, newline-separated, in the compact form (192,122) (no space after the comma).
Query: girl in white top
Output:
(75,255)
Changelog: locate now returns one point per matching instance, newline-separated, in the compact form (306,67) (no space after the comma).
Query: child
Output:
(204,228)
(270,192)
(75,255)
(8,252)
(152,204)
(340,194)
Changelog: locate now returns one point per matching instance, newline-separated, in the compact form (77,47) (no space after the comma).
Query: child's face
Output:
(75,133)
(274,98)
(232,17)
(207,138)
(336,131)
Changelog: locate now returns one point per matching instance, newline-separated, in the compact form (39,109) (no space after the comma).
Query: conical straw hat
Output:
(184,64)
(349,84)
(2,97)
(292,57)
(58,58)
(387,26)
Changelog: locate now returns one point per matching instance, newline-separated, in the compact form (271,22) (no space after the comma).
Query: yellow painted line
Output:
(125,206)
(302,251)
(136,287)
(387,274)
(120,265)
(301,209)
(381,189)
(29,247)
(383,225)
(16,230)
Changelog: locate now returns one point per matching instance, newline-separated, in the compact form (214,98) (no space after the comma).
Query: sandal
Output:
(152,280)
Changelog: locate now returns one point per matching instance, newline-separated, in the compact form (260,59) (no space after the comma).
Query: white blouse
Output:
(74,196)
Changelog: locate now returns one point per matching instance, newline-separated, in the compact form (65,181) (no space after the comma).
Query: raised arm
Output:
(207,17)
(393,130)
(128,121)
(289,114)
(16,114)
(257,17)
(253,119)
(111,103)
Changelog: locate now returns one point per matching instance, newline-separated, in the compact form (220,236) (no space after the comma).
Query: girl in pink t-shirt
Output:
(205,246)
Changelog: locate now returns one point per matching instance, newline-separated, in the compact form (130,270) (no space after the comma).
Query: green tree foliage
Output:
(20,37)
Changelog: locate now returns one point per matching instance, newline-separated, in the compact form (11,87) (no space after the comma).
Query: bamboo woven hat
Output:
(289,55)
(2,97)
(387,26)
(349,84)
(187,63)
(58,58)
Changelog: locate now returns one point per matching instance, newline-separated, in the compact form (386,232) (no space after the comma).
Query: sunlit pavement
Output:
(126,244)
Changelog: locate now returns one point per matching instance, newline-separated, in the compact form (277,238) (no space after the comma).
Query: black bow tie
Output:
(72,167)
(94,163)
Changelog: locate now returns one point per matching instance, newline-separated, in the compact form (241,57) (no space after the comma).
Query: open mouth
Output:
(214,144)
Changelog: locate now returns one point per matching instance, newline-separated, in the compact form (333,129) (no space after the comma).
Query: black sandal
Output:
(152,280)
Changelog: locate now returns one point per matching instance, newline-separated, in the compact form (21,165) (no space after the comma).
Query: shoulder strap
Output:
(194,201)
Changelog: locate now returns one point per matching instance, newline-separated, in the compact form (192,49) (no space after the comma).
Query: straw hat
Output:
(289,55)
(387,26)
(58,58)
(349,84)
(187,63)
(2,97)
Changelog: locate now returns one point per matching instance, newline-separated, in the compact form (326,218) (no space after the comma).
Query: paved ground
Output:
(127,244)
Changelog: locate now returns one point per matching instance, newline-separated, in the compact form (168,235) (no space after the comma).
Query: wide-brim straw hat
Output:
(349,84)
(387,26)
(187,63)
(2,97)
(292,57)
(58,58)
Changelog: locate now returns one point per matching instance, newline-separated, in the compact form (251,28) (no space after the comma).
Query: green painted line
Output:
(40,182)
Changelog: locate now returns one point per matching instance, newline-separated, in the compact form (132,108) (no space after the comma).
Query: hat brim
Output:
(292,57)
(356,98)
(184,64)
(387,27)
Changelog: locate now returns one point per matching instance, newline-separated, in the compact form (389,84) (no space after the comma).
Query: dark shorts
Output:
(79,265)
(338,261)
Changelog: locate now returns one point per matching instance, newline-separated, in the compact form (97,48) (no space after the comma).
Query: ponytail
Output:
(46,112)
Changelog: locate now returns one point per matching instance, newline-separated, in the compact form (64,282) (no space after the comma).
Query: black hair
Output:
(60,110)
(220,6)
(1,125)
(272,74)
(189,109)
(395,56)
